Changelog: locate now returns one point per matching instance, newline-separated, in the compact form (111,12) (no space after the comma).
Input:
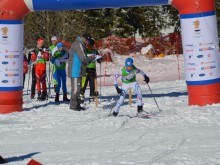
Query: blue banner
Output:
(39,5)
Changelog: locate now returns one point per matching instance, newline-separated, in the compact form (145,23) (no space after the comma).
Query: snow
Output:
(179,135)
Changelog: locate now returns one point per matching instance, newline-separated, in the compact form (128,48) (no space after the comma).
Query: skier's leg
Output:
(85,81)
(58,80)
(120,101)
(84,84)
(38,75)
(53,68)
(55,78)
(137,89)
(92,85)
(63,80)
(75,91)
(33,84)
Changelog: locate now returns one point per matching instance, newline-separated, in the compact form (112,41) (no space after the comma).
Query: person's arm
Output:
(116,76)
(97,53)
(29,57)
(146,78)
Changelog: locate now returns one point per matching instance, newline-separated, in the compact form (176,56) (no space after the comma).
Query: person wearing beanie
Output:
(128,77)
(59,60)
(38,58)
(78,60)
(52,47)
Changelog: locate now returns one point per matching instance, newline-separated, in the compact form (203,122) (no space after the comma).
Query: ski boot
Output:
(32,95)
(65,98)
(55,87)
(115,114)
(44,96)
(39,96)
(140,109)
(81,98)
(80,108)
(91,99)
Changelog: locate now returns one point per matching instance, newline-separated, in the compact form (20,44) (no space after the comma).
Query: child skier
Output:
(128,76)
(59,60)
(53,68)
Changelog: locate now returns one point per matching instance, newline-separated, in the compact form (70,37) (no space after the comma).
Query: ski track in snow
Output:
(178,135)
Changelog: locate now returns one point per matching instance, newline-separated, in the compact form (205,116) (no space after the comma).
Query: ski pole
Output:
(100,89)
(28,78)
(154,98)
(49,80)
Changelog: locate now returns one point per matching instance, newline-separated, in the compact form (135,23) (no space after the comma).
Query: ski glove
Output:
(146,79)
(118,90)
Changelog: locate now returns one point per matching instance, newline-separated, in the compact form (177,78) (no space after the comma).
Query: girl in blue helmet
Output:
(128,77)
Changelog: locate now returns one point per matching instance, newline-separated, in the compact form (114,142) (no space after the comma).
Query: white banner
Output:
(11,55)
(200,47)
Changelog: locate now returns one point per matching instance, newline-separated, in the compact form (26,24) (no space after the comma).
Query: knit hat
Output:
(92,41)
(86,36)
(54,38)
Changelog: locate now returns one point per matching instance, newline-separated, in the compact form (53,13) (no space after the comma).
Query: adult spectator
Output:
(78,61)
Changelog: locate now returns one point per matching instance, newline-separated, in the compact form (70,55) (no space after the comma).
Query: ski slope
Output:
(179,135)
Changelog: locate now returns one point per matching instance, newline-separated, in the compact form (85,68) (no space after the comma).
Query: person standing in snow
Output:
(78,61)
(32,62)
(39,58)
(53,68)
(90,73)
(59,60)
(128,76)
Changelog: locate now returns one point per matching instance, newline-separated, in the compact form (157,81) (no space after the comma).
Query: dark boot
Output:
(82,97)
(91,99)
(115,114)
(65,98)
(55,87)
(39,96)
(44,96)
(32,95)
(79,107)
(140,109)
(57,98)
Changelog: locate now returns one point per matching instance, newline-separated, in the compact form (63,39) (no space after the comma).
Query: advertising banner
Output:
(11,56)
(200,47)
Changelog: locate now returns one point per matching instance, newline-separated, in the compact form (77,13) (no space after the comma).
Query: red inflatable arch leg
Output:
(11,54)
(200,47)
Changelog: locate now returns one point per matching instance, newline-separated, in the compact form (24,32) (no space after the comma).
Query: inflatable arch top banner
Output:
(199,34)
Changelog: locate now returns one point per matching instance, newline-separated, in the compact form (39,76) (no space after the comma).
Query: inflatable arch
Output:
(199,34)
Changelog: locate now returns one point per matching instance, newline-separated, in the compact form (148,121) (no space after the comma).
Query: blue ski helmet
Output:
(129,62)
(59,45)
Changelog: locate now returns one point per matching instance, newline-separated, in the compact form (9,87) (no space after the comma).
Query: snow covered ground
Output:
(179,135)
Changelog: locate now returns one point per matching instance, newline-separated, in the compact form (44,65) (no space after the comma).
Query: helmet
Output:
(86,36)
(129,62)
(59,45)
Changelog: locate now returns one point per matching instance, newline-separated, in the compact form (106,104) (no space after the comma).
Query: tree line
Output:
(101,23)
